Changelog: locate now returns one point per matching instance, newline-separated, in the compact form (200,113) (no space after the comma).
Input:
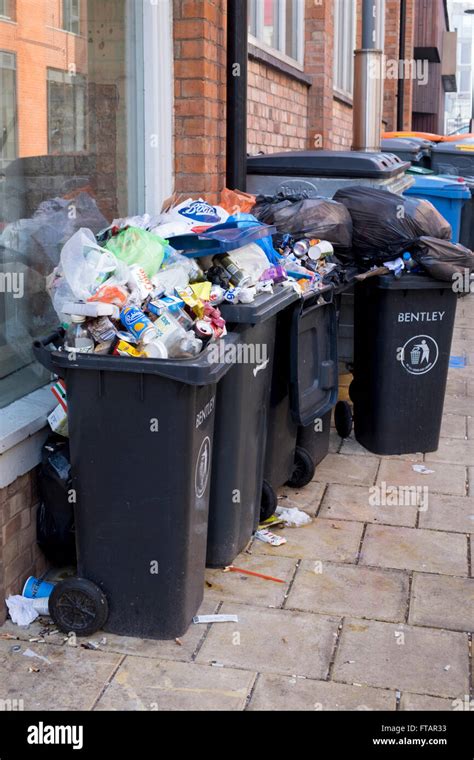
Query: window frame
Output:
(15,104)
(350,37)
(256,25)
(81,82)
(71,17)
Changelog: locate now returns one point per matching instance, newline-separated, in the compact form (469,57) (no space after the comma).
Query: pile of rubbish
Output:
(150,287)
(402,235)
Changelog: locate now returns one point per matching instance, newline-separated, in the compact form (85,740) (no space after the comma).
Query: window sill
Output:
(293,70)
(23,431)
(342,98)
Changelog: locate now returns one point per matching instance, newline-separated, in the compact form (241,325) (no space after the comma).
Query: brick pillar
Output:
(200,92)
(319,56)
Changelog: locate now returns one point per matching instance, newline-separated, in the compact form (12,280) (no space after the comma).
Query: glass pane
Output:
(270,22)
(291,28)
(252,17)
(69,158)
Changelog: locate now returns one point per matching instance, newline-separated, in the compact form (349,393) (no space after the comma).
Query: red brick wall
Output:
(319,56)
(19,554)
(342,126)
(277,110)
(199,28)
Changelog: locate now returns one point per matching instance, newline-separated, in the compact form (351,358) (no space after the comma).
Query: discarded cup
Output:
(35,588)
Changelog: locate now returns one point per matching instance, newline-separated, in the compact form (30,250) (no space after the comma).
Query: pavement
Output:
(376,610)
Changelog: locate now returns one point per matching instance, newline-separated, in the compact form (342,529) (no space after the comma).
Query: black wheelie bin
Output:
(141,440)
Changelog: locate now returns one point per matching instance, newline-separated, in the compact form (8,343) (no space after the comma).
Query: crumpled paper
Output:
(22,610)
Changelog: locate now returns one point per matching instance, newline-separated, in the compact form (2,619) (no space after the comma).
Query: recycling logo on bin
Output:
(203,466)
(419,354)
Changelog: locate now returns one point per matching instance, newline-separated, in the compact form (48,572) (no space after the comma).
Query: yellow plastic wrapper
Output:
(191,301)
(202,290)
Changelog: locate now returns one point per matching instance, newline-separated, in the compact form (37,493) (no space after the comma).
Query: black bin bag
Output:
(303,217)
(385,224)
(443,260)
(55,516)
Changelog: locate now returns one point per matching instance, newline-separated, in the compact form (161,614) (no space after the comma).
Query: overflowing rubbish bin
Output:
(403,333)
(141,440)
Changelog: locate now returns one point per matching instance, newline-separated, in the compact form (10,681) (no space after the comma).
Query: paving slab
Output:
(246,588)
(353,503)
(454,450)
(337,540)
(442,602)
(407,658)
(181,649)
(160,685)
(421,702)
(454,426)
(450,479)
(272,641)
(345,469)
(449,513)
(457,405)
(307,498)
(429,551)
(72,679)
(352,447)
(353,590)
(286,693)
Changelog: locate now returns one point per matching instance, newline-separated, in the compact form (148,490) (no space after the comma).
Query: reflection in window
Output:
(344,45)
(7,109)
(66,112)
(72,155)
(279,25)
(72,16)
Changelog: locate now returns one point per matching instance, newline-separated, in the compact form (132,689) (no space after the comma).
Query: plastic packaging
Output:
(77,337)
(386,224)
(137,246)
(251,260)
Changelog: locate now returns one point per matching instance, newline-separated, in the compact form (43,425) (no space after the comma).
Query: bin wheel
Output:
(343,418)
(78,606)
(269,502)
(303,471)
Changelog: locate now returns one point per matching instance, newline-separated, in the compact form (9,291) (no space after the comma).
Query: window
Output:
(344,46)
(66,112)
(465,80)
(465,49)
(75,153)
(8,127)
(6,9)
(279,26)
(72,16)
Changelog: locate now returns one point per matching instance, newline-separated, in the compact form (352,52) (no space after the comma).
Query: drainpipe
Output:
(368,80)
(401,55)
(237,62)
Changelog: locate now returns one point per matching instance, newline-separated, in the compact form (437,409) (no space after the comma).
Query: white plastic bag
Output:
(86,266)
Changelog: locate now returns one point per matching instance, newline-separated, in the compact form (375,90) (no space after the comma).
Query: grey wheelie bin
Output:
(141,442)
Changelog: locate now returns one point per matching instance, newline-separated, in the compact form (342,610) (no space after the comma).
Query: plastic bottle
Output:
(77,338)
(177,340)
(409,262)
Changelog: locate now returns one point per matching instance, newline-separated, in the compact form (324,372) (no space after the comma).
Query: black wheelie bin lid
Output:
(327,163)
(407,150)
(454,158)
